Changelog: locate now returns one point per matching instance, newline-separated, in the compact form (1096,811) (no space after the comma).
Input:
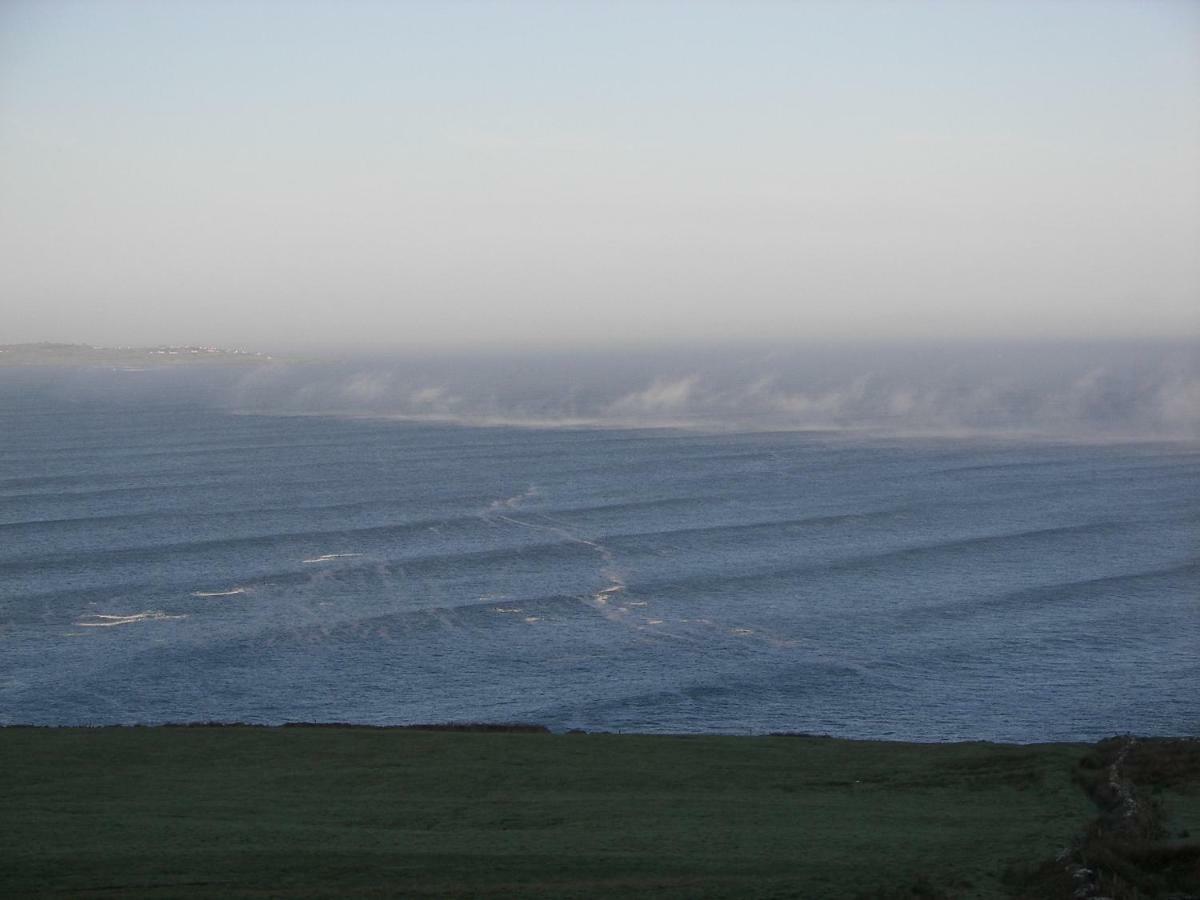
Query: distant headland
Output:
(53,354)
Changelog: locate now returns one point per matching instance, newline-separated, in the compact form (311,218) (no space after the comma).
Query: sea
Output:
(187,553)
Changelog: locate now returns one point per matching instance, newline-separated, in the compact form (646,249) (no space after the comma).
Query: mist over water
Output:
(1111,389)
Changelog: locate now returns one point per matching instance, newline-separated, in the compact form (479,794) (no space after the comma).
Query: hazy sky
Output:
(272,172)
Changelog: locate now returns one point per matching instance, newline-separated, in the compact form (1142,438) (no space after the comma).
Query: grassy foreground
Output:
(331,811)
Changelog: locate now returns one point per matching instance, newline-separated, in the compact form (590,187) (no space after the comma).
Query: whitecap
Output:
(108,621)
(513,502)
(327,557)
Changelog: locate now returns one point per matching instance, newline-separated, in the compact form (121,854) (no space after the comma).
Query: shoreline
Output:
(539,728)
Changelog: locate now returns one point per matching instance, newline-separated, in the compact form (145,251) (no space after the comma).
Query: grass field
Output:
(308,812)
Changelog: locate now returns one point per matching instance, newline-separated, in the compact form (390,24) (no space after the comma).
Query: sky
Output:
(590,173)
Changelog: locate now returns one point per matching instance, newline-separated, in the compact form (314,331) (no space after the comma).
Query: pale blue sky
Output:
(254,172)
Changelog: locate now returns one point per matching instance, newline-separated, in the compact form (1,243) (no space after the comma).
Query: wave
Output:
(792,682)
(1121,470)
(150,489)
(100,620)
(220,515)
(567,545)
(297,573)
(1056,592)
(487,613)
(230,593)
(736,528)
(137,552)
(858,561)
(484,615)
(156,482)
(17,482)
(1189,568)
(134,552)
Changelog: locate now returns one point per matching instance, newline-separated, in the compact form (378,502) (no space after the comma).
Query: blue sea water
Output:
(164,562)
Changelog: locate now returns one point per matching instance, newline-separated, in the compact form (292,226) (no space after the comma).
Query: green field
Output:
(308,812)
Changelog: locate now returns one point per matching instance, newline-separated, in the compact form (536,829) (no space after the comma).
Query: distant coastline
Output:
(56,354)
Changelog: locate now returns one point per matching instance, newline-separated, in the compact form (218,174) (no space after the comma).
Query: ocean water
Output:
(175,561)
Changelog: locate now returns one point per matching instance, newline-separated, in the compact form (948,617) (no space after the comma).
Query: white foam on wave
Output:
(109,621)
(513,502)
(229,593)
(532,619)
(603,597)
(328,557)
(507,609)
(598,600)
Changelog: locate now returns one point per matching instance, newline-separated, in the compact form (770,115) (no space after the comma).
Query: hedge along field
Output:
(340,811)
